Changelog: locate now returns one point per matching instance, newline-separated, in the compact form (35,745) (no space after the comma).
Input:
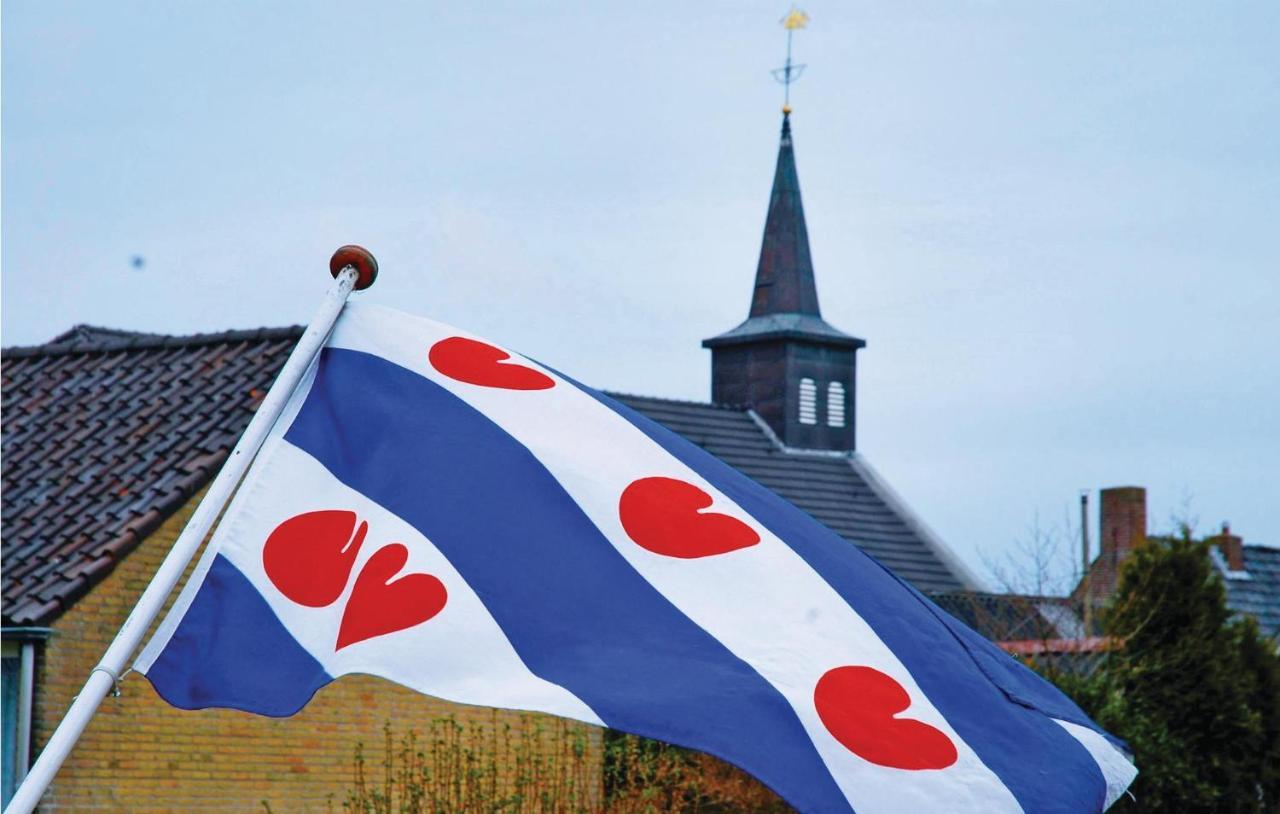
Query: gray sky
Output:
(1054,222)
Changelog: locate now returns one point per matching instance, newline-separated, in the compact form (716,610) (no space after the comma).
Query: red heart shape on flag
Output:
(309,557)
(474,362)
(858,706)
(664,516)
(379,605)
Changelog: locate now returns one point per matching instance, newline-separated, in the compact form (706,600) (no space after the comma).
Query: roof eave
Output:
(731,338)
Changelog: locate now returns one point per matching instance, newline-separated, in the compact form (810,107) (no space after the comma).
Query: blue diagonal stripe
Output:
(231,651)
(576,612)
(1000,708)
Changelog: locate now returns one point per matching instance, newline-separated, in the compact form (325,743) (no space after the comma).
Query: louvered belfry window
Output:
(835,404)
(808,402)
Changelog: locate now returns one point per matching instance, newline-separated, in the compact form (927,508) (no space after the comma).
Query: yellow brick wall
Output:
(139,754)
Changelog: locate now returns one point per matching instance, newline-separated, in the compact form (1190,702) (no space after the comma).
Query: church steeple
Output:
(784,275)
(785,362)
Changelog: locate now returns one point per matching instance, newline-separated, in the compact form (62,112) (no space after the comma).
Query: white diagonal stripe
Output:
(765,603)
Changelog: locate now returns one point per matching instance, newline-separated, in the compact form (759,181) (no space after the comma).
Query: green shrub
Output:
(1195,693)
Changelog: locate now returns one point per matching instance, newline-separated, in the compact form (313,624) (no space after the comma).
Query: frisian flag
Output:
(443,513)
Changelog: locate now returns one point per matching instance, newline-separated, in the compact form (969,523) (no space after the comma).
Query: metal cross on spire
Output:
(790,72)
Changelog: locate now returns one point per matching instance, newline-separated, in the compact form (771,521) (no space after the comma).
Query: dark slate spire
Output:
(784,276)
(785,300)
(785,362)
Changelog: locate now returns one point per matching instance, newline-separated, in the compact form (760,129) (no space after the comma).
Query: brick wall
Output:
(139,754)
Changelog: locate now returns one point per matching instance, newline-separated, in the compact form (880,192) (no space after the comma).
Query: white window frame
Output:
(808,402)
(836,413)
(25,652)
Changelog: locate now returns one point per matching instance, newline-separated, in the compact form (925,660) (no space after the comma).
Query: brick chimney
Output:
(1122,526)
(1232,548)
(1123,521)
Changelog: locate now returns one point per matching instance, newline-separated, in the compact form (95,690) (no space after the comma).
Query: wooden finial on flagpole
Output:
(358,258)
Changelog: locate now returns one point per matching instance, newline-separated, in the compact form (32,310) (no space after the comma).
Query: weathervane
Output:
(789,72)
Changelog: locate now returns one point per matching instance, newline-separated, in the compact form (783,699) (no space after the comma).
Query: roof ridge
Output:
(665,400)
(128,340)
(84,330)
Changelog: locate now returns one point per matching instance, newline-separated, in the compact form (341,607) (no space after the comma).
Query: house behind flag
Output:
(109,435)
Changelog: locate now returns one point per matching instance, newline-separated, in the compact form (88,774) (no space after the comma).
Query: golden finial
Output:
(795,19)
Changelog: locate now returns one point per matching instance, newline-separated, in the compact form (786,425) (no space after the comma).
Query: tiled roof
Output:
(832,488)
(107,433)
(1257,591)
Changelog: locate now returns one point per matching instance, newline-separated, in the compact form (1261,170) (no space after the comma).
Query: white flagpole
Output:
(353,268)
